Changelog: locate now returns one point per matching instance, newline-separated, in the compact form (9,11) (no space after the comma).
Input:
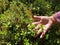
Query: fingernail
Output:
(41,36)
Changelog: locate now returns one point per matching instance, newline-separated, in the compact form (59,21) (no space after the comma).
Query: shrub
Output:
(3,5)
(13,24)
(15,15)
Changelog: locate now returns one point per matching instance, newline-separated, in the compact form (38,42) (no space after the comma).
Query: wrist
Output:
(53,19)
(56,17)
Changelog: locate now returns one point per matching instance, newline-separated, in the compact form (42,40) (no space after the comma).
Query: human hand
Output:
(46,21)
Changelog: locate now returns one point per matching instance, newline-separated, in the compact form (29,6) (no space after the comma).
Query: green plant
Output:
(13,23)
(3,5)
(31,31)
(15,15)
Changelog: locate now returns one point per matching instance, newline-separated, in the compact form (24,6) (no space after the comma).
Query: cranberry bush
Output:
(15,15)
(13,25)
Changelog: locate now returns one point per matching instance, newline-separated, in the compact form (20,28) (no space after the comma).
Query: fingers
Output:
(43,33)
(37,27)
(38,33)
(46,29)
(37,17)
(40,17)
(35,23)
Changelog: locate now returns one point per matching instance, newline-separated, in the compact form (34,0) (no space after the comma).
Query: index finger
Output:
(37,17)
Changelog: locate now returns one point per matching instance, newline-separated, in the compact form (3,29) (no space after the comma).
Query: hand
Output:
(46,21)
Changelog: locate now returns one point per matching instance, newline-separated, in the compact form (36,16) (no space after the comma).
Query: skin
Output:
(46,21)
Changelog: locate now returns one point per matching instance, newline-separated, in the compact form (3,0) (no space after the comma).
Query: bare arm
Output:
(56,17)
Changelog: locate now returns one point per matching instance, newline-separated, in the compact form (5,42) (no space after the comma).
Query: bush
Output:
(13,23)
(15,15)
(3,5)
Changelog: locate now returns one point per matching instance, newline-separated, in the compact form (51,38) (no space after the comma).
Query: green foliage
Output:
(31,31)
(13,23)
(15,15)
(3,5)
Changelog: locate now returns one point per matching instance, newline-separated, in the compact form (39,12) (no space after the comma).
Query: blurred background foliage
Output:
(15,15)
